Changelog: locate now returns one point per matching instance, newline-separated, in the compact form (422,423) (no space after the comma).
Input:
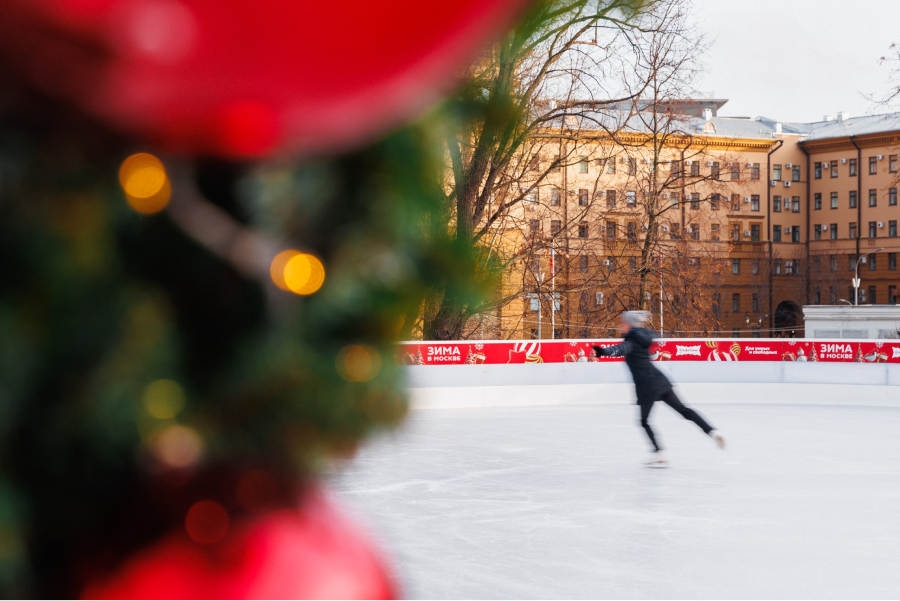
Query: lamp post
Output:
(856,272)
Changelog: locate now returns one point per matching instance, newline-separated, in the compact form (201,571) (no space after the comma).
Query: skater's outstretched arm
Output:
(617,350)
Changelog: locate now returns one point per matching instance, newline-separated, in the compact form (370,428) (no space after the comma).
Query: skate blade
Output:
(657,466)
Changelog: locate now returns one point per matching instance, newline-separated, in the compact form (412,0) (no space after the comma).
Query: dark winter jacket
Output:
(650,383)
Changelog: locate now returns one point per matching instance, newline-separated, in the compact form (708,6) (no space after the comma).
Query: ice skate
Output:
(720,440)
(657,460)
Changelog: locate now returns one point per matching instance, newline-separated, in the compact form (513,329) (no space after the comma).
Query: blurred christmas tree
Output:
(143,367)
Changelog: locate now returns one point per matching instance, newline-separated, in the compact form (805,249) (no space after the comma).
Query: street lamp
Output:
(856,271)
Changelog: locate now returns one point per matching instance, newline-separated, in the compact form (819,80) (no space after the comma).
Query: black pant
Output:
(670,399)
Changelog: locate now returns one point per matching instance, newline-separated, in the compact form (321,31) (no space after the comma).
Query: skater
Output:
(650,383)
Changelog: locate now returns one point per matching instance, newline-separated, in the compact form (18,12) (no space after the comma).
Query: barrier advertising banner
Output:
(493,352)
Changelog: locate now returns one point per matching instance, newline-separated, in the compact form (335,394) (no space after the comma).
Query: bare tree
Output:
(498,150)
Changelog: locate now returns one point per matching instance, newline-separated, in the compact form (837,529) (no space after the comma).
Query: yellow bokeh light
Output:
(358,363)
(164,399)
(276,268)
(178,447)
(145,183)
(304,274)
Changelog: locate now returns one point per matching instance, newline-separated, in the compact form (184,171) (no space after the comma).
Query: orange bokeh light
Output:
(300,273)
(146,185)
(358,363)
(207,522)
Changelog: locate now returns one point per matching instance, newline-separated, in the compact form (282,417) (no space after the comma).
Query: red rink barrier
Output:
(493,352)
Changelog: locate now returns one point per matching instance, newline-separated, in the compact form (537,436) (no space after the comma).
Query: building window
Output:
(632,264)
(795,205)
(892,261)
(872,299)
(714,202)
(873,165)
(776,204)
(754,233)
(632,166)
(695,169)
(735,172)
(873,231)
(535,226)
(834,168)
(817,170)
(852,199)
(583,229)
(582,197)
(892,295)
(735,232)
(631,230)
(714,232)
(714,170)
(892,228)
(892,163)
(735,302)
(583,165)
(754,303)
(695,232)
(776,173)
(776,233)
(754,267)
(872,262)
(776,266)
(853,232)
(555,226)
(611,229)
(582,263)
(834,201)
(754,202)
(611,199)
(873,198)
(754,171)
(554,197)
(852,167)
(598,299)
(817,296)
(735,266)
(695,202)
(674,229)
(630,198)
(892,197)
(817,263)
(817,201)
(851,262)
(735,202)
(611,166)
(795,173)
(612,263)
(789,267)
(833,264)
(534,304)
(534,163)
(817,232)
(795,234)
(833,228)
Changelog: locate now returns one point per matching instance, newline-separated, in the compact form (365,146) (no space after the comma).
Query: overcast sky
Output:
(797,60)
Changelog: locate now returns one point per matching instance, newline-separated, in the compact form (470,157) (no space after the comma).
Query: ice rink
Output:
(552,502)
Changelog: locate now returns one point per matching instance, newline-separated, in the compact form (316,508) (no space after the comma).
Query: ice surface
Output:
(552,502)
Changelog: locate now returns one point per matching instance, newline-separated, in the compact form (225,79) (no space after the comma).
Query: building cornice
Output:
(880,139)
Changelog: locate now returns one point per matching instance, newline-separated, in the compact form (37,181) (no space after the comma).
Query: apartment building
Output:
(751,218)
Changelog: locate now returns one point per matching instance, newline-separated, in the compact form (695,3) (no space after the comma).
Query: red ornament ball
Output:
(242,79)
(311,552)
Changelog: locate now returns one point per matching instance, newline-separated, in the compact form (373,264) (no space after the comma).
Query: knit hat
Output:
(636,319)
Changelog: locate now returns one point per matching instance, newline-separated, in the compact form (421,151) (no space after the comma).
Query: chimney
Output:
(843,116)
(778,127)
(707,114)
(828,118)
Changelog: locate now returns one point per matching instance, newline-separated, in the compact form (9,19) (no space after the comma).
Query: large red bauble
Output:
(311,552)
(240,78)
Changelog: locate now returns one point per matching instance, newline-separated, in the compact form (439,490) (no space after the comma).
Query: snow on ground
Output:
(552,502)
